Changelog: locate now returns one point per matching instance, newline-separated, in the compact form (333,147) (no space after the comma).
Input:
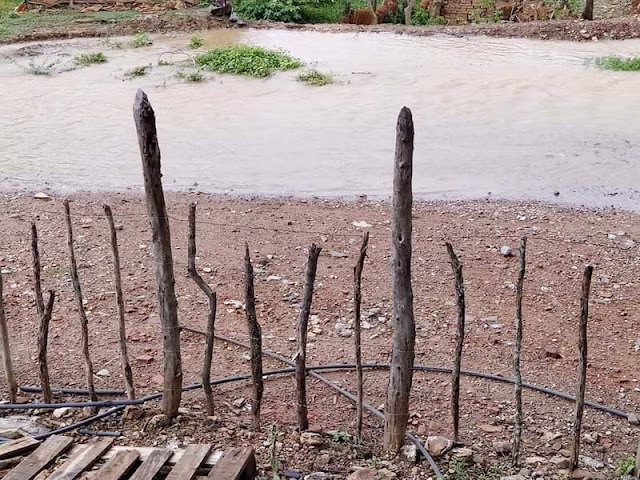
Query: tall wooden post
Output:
(517,430)
(582,368)
(396,412)
(44,316)
(303,321)
(145,120)
(357,301)
(255,339)
(456,266)
(5,351)
(211,318)
(587,13)
(84,324)
(124,357)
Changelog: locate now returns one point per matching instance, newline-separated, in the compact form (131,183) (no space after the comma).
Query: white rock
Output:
(437,445)
(207,270)
(311,438)
(505,251)
(42,196)
(361,224)
(591,462)
(410,452)
(103,373)
(61,412)
(272,278)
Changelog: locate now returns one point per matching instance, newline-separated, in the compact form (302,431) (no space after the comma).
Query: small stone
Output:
(274,278)
(548,437)
(552,352)
(591,462)
(581,474)
(363,474)
(159,421)
(506,251)
(157,379)
(292,474)
(386,474)
(437,445)
(633,419)
(322,461)
(317,476)
(42,196)
(513,477)
(361,224)
(534,460)
(61,412)
(502,447)
(238,402)
(311,438)
(336,254)
(132,412)
(6,271)
(560,462)
(462,453)
(144,359)
(207,270)
(410,452)
(103,373)
(490,428)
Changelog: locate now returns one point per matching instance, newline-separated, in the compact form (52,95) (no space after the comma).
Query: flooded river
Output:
(518,118)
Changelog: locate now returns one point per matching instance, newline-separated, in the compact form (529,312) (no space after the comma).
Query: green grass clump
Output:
(460,469)
(625,467)
(314,77)
(192,77)
(618,63)
(246,60)
(41,70)
(141,40)
(90,58)
(137,72)
(196,42)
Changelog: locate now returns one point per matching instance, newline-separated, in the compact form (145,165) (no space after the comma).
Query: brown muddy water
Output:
(508,118)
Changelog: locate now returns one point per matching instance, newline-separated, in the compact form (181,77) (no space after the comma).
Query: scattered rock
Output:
(132,412)
(385,474)
(437,445)
(159,421)
(462,453)
(317,476)
(548,437)
(490,428)
(238,402)
(552,352)
(506,251)
(363,474)
(207,270)
(103,373)
(560,461)
(61,412)
(13,433)
(311,438)
(534,460)
(502,447)
(292,474)
(322,461)
(361,224)
(42,196)
(513,477)
(591,462)
(410,452)
(633,419)
(144,359)
(580,474)
(336,254)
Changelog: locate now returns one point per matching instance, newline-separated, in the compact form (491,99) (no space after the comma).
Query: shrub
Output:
(137,72)
(196,42)
(618,63)
(314,77)
(625,467)
(419,16)
(485,12)
(437,21)
(90,58)
(192,77)
(246,60)
(141,40)
(275,10)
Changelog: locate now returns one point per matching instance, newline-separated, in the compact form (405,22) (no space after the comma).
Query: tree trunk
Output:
(303,321)
(582,368)
(517,430)
(163,260)
(124,357)
(396,412)
(587,13)
(84,324)
(5,351)
(357,300)
(408,11)
(372,9)
(255,339)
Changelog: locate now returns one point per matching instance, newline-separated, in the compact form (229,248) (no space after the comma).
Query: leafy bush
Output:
(419,16)
(141,40)
(192,77)
(90,58)
(485,12)
(246,60)
(437,21)
(314,77)
(196,42)
(275,10)
(625,467)
(137,72)
(618,63)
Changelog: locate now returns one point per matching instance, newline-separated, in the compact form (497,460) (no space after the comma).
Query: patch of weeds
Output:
(440,20)
(460,469)
(107,42)
(314,77)
(137,72)
(618,63)
(341,437)
(625,467)
(192,77)
(419,16)
(485,12)
(164,63)
(42,70)
(90,58)
(273,457)
(374,463)
(196,42)
(246,60)
(141,40)
(275,10)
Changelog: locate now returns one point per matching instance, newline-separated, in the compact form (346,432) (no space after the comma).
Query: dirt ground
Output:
(562,241)
(195,20)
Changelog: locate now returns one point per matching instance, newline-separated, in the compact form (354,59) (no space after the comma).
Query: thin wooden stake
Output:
(357,301)
(517,349)
(84,324)
(582,368)
(456,266)
(255,337)
(43,331)
(6,351)
(303,321)
(117,279)
(145,120)
(396,412)
(211,318)
(636,470)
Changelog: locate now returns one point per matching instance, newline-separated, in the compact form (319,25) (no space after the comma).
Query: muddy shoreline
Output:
(189,21)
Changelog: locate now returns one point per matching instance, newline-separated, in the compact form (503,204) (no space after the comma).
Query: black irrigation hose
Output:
(70,391)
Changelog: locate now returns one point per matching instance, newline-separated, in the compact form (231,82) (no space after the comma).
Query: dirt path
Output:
(561,242)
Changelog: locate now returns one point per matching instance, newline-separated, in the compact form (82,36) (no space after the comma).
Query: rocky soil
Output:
(562,241)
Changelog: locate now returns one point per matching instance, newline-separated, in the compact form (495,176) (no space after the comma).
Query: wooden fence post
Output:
(145,120)
(303,321)
(517,349)
(456,266)
(357,301)
(211,318)
(582,368)
(5,351)
(43,318)
(84,324)
(396,412)
(124,357)
(255,339)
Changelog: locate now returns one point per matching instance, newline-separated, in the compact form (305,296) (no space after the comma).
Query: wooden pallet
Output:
(101,460)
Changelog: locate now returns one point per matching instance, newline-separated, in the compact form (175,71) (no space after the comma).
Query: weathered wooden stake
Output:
(396,412)
(211,318)
(636,470)
(582,367)
(357,300)
(303,321)
(517,431)
(124,357)
(6,351)
(255,337)
(456,266)
(84,324)
(163,259)
(43,331)
(587,13)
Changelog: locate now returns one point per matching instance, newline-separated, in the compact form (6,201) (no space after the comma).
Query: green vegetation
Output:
(196,42)
(618,63)
(314,77)
(273,460)
(44,69)
(246,60)
(7,6)
(460,469)
(192,77)
(341,437)
(296,11)
(625,467)
(485,12)
(137,72)
(90,58)
(141,40)
(164,63)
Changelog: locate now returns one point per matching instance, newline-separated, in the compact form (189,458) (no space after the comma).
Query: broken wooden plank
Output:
(18,447)
(44,455)
(144,452)
(152,465)
(190,462)
(78,463)
(120,465)
(235,464)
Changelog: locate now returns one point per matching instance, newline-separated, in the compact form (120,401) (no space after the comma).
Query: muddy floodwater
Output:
(508,118)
